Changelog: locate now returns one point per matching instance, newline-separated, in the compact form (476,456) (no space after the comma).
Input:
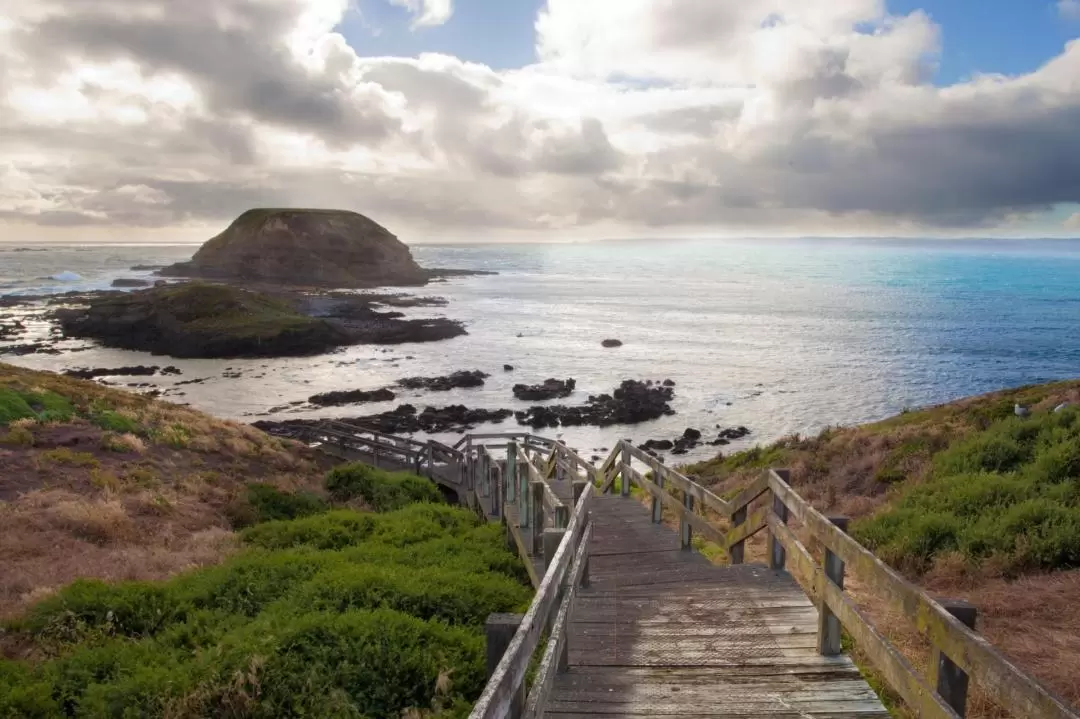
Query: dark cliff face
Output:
(329,248)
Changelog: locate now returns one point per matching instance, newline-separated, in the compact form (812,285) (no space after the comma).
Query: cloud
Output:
(789,116)
(1069,9)
(1072,222)
(427,13)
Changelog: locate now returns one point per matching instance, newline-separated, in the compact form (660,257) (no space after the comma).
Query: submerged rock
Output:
(129,282)
(356,396)
(403,420)
(329,248)
(548,389)
(612,343)
(136,371)
(462,379)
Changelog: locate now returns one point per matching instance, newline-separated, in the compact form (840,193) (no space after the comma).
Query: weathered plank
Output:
(663,632)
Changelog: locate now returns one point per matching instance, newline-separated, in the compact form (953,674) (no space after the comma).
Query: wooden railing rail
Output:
(504,694)
(959,652)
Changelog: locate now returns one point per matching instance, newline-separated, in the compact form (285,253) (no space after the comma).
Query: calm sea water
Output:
(780,336)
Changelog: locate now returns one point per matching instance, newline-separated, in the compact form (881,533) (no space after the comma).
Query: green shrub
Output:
(131,609)
(383,491)
(45,406)
(49,406)
(452,596)
(360,663)
(332,530)
(270,503)
(390,621)
(1012,491)
(112,421)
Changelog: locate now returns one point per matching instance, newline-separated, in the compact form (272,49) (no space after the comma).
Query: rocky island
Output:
(206,320)
(274,283)
(322,248)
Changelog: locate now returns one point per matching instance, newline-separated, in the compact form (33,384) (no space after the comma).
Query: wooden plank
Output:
(1006,684)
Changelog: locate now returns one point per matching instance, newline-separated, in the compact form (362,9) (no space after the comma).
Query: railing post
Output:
(624,487)
(685,532)
(737,551)
(828,624)
(496,490)
(536,500)
(499,629)
(523,487)
(952,681)
(579,489)
(777,554)
(469,467)
(510,475)
(562,516)
(552,537)
(657,505)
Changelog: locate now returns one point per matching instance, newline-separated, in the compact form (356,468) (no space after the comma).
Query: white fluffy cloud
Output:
(427,13)
(795,116)
(1069,9)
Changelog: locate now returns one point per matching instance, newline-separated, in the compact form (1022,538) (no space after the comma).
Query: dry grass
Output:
(79,500)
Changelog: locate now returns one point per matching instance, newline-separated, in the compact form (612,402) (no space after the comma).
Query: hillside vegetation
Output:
(343,614)
(968,499)
(102,483)
(166,564)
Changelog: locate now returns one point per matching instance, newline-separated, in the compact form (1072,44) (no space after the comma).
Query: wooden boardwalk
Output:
(661,631)
(627,620)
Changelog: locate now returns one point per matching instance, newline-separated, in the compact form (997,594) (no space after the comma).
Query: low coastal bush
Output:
(335,614)
(381,490)
(1010,492)
(270,503)
(42,405)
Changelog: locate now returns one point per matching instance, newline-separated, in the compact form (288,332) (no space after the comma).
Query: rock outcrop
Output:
(201,320)
(328,248)
(403,420)
(462,379)
(548,389)
(356,396)
(632,402)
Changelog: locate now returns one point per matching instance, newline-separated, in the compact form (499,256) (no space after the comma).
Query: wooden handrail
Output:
(509,676)
(1002,681)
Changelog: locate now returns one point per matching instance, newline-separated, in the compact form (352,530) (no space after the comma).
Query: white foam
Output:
(66,276)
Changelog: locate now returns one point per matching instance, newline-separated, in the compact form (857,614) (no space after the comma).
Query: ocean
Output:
(781,336)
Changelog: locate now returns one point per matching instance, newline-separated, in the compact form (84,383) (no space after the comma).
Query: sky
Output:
(451,120)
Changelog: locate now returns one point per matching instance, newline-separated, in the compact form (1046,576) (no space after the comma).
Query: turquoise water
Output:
(782,336)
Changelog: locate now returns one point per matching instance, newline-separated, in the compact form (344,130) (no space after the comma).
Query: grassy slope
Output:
(272,604)
(969,500)
(103,483)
